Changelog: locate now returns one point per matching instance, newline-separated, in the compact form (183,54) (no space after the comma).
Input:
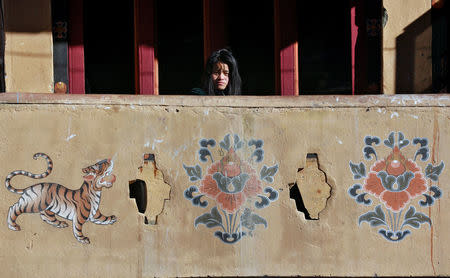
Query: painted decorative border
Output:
(393,183)
(233,185)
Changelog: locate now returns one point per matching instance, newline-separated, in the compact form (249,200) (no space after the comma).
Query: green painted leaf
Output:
(390,141)
(225,144)
(210,220)
(414,218)
(359,171)
(433,172)
(267,173)
(249,220)
(374,218)
(194,172)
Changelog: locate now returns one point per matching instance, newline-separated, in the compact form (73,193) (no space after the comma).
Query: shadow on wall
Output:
(421,55)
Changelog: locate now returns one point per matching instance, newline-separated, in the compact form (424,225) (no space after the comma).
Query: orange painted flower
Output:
(395,180)
(230,182)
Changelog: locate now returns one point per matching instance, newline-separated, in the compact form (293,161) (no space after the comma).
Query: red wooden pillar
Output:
(359,46)
(286,47)
(76,48)
(146,63)
(215,32)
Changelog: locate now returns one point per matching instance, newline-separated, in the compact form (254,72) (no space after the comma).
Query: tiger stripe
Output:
(52,199)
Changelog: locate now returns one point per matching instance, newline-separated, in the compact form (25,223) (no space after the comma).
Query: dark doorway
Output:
(2,50)
(251,33)
(109,47)
(324,47)
(179,45)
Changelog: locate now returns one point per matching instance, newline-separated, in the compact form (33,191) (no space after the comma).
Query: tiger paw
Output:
(84,240)
(62,224)
(113,219)
(14,227)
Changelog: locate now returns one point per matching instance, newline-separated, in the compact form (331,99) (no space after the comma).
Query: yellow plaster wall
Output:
(28,46)
(412,20)
(78,131)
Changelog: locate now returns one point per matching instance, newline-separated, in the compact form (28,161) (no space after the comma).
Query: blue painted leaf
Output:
(229,238)
(196,201)
(362,200)
(433,172)
(203,153)
(428,201)
(259,153)
(368,151)
(194,173)
(267,173)
(359,171)
(414,219)
(404,180)
(237,142)
(352,190)
(273,194)
(225,144)
(423,152)
(210,220)
(389,235)
(249,220)
(188,192)
(402,142)
(369,140)
(207,142)
(390,141)
(263,203)
(257,143)
(374,218)
(422,141)
(239,182)
(437,193)
(387,180)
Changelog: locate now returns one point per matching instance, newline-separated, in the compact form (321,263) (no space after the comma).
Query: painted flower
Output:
(230,182)
(395,180)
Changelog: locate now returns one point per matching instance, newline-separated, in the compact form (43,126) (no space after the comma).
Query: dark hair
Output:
(234,83)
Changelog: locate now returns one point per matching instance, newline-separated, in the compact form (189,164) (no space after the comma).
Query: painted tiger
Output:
(50,199)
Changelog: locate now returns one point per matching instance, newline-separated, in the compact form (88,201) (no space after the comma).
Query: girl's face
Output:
(220,76)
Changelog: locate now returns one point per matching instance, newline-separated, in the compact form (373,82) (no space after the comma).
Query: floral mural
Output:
(234,186)
(394,183)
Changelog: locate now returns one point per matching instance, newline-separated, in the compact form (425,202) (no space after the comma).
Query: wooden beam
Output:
(286,47)
(2,50)
(60,46)
(146,63)
(215,31)
(76,48)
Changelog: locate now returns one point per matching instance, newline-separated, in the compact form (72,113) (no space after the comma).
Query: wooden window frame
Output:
(215,36)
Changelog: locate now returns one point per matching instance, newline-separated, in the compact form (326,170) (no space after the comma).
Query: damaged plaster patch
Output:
(149,190)
(70,137)
(394,114)
(156,141)
(311,190)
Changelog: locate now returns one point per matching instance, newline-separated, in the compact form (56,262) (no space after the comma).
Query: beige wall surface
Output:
(383,158)
(28,46)
(407,61)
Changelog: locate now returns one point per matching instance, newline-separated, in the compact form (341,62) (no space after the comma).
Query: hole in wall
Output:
(138,192)
(149,190)
(310,189)
(310,156)
(294,193)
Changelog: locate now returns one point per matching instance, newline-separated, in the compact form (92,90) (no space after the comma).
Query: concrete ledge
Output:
(341,101)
